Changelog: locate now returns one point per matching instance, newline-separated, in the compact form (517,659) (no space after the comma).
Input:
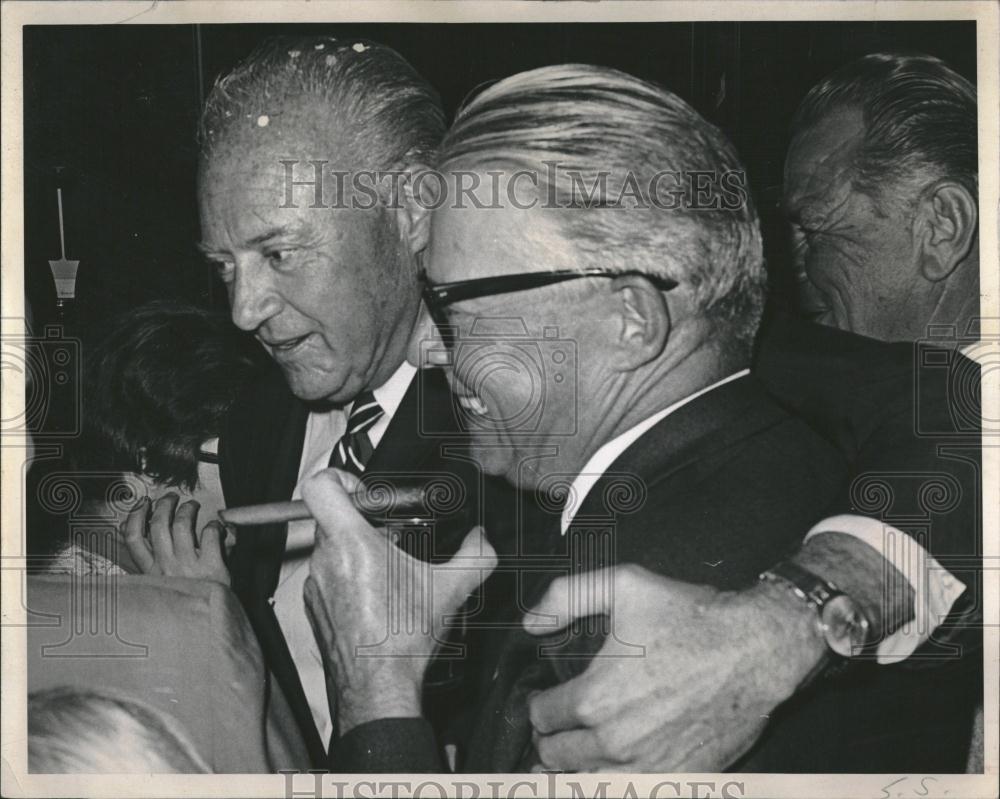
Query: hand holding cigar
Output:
(405,500)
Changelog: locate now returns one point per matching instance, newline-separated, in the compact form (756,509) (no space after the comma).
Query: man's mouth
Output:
(286,345)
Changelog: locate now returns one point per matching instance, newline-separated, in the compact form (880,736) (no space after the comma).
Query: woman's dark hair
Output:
(157,385)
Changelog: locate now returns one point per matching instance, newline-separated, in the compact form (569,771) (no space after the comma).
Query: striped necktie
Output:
(354,449)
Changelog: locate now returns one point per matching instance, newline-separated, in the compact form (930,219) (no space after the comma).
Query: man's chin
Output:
(496,461)
(313,391)
(505,463)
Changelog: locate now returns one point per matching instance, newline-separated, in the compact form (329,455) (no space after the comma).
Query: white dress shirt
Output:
(323,431)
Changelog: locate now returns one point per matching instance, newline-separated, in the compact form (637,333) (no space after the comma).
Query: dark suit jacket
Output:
(907,419)
(260,450)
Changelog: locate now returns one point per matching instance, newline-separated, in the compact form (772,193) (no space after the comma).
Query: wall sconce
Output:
(63,270)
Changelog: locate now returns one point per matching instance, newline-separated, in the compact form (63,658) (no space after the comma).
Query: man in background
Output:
(881,189)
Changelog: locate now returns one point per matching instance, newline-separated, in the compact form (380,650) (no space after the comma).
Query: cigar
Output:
(265,513)
(403,503)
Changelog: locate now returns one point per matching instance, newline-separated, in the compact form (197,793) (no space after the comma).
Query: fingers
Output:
(465,572)
(160,535)
(569,598)
(211,538)
(331,506)
(183,530)
(134,530)
(210,552)
(230,540)
(556,709)
(476,552)
(574,750)
(170,543)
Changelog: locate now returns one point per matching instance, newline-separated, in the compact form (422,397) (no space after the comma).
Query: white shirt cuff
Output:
(934,588)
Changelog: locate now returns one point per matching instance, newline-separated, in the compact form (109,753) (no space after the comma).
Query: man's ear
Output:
(645,320)
(412,204)
(948,218)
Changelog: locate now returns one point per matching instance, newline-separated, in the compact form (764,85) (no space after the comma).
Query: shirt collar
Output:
(607,454)
(390,394)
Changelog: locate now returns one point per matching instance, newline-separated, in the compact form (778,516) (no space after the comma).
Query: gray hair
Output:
(919,116)
(86,731)
(391,114)
(593,121)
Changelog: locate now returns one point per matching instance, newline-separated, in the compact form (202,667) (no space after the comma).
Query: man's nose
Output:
(427,349)
(253,297)
(811,301)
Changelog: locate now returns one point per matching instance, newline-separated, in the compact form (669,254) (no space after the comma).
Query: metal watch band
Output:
(807,586)
(818,593)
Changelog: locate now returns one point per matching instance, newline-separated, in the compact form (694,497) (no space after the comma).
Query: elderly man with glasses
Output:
(600,349)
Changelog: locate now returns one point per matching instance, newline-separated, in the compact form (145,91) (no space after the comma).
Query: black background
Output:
(110,115)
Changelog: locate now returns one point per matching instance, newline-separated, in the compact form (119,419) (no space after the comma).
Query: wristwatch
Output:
(839,618)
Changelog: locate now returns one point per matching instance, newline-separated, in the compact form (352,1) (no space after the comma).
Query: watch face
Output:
(845,626)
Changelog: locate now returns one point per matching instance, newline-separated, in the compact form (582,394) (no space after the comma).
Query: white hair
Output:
(85,731)
(591,121)
(383,107)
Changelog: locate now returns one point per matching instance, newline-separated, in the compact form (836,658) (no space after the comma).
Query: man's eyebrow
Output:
(258,240)
(273,233)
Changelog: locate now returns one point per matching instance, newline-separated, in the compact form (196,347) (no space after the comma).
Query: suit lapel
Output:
(422,421)
(710,423)
(269,462)
(262,448)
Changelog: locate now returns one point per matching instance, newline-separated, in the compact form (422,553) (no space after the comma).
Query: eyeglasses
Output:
(438,296)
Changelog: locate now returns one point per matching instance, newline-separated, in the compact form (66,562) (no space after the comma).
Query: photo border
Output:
(15,780)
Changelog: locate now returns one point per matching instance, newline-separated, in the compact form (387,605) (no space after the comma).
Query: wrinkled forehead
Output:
(493,237)
(255,147)
(820,156)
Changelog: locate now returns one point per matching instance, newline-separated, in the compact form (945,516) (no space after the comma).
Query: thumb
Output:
(472,564)
(331,507)
(570,598)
